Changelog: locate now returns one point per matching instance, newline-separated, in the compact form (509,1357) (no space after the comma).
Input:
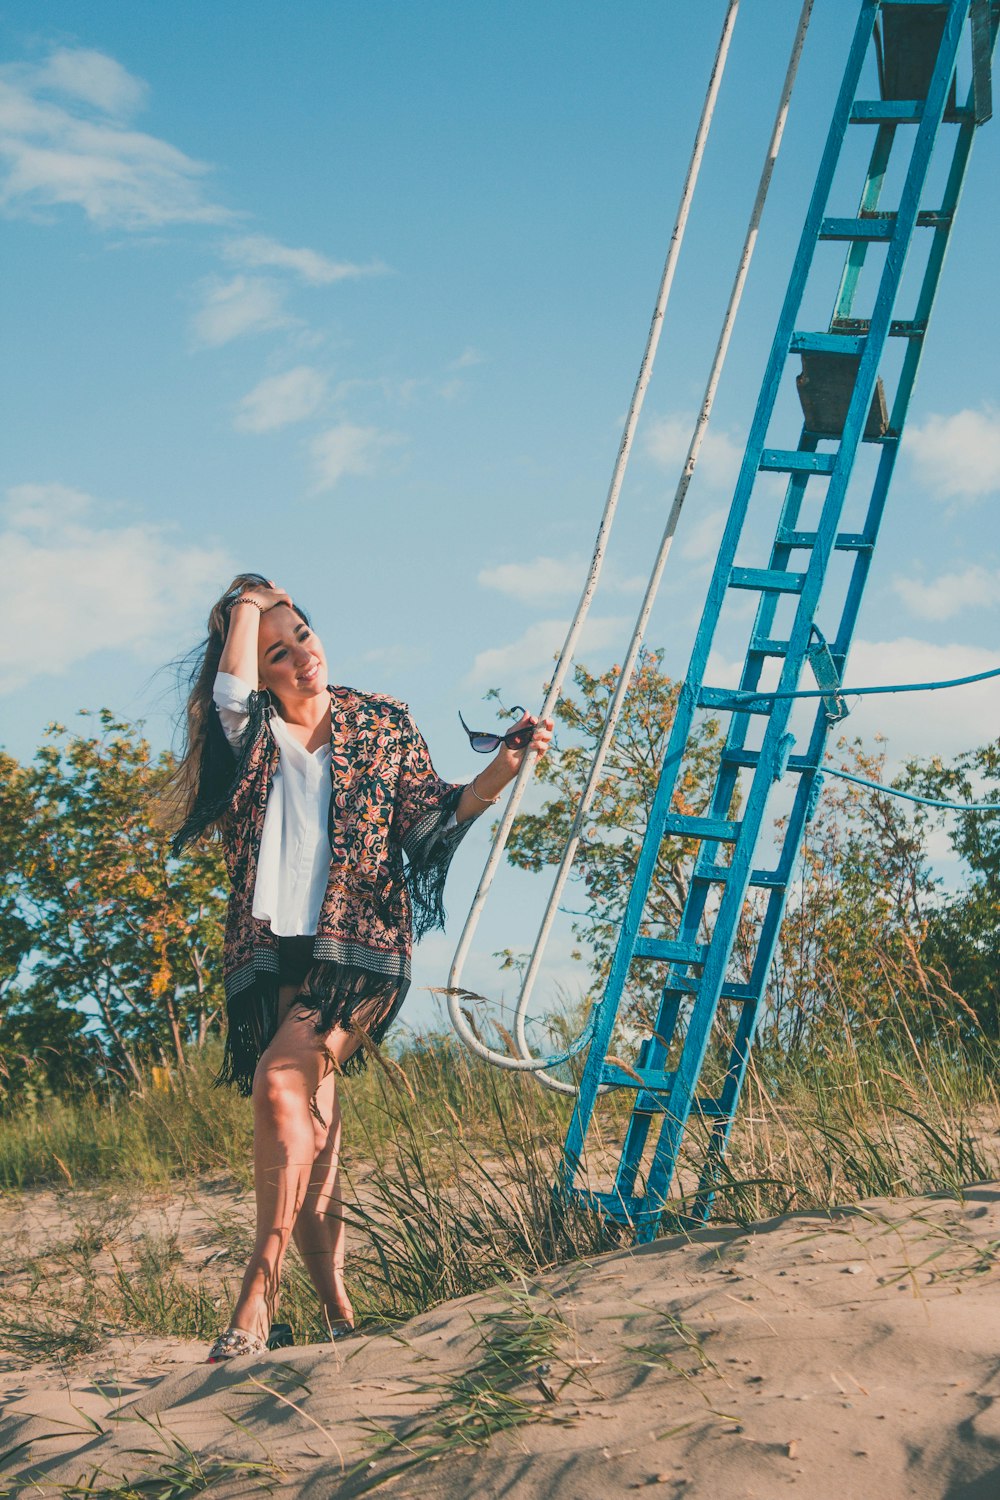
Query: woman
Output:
(318,793)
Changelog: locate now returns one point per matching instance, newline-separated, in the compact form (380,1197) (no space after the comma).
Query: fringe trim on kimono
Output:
(429,848)
(337,994)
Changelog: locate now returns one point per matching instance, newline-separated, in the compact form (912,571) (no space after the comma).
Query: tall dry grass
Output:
(449,1167)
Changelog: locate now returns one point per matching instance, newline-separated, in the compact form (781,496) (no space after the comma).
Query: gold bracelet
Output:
(486,801)
(245,599)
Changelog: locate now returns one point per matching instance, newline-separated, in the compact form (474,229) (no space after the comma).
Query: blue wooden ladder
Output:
(907,53)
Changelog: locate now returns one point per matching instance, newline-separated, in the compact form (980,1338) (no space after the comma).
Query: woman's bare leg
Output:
(296,1070)
(319,1228)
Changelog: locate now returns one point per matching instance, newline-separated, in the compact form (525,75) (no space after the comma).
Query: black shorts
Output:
(295,956)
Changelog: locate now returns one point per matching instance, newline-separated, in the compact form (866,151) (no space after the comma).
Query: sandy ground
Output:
(845,1356)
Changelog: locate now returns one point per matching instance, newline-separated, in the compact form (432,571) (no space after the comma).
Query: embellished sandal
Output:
(340,1330)
(234,1344)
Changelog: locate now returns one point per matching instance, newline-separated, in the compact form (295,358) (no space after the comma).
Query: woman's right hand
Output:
(267,598)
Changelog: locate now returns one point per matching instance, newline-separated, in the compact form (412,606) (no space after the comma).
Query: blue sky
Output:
(355,294)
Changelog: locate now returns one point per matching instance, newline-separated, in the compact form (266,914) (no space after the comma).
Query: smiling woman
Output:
(337,834)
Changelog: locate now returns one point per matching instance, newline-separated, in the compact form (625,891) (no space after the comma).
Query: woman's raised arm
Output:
(239,655)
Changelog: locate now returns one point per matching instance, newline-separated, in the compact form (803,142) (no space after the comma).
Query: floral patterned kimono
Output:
(387,802)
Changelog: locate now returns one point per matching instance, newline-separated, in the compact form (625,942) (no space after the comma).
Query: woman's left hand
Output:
(510,760)
(485,788)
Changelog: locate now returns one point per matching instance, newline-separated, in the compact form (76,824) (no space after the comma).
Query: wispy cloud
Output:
(957,457)
(230,309)
(258,251)
(130,584)
(66,139)
(545,578)
(281,399)
(947,595)
(467,359)
(532,653)
(923,724)
(667,441)
(347,450)
(700,532)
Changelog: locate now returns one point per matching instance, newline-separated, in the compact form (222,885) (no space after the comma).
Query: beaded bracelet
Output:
(245,599)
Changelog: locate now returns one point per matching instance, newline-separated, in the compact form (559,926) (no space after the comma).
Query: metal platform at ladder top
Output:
(851,392)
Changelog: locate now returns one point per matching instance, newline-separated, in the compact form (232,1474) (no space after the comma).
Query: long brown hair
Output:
(207,760)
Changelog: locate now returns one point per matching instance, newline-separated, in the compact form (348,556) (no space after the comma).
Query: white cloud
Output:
(545,578)
(923,724)
(65,140)
(531,655)
(42,507)
(347,449)
(467,359)
(915,724)
(94,78)
(246,304)
(701,532)
(940,598)
(85,587)
(667,442)
(532,582)
(957,457)
(258,251)
(281,399)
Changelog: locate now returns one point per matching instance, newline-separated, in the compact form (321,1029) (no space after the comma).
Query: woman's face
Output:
(290,660)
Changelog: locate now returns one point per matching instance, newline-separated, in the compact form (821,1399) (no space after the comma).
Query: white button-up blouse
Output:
(293,865)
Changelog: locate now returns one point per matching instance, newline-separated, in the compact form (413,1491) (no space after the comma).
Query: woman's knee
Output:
(280,1088)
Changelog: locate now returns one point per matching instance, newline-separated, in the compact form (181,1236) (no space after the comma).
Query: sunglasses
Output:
(515,739)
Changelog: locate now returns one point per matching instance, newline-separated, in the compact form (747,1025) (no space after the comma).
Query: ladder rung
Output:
(767,646)
(903,112)
(879,226)
(654,1079)
(625,1210)
(710,1109)
(768,880)
(733,701)
(670,950)
(797,461)
(751,758)
(767,580)
(684,826)
(847,541)
(858,229)
(728,700)
(899,328)
(688,984)
(827,343)
(886,111)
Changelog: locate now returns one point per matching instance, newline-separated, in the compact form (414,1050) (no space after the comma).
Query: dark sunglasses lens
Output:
(518,738)
(484,743)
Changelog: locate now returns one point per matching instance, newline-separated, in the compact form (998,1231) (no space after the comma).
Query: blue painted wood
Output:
(797,460)
(671,1057)
(827,343)
(775,580)
(858,229)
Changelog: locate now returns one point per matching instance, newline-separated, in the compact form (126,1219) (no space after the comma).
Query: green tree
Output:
(856,914)
(116,930)
(963,934)
(857,909)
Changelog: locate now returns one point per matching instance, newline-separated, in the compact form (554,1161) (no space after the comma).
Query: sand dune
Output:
(845,1356)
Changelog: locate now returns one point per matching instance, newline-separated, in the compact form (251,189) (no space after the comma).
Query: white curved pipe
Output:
(680,495)
(503,1060)
(526,1061)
